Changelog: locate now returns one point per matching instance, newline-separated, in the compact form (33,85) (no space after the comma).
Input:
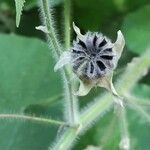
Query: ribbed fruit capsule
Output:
(93,58)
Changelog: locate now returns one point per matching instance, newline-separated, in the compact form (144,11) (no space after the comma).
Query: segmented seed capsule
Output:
(92,56)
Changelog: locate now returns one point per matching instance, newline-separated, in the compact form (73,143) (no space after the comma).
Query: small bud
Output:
(93,58)
(77,31)
(42,28)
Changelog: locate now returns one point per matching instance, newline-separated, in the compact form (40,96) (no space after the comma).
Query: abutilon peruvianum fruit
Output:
(93,58)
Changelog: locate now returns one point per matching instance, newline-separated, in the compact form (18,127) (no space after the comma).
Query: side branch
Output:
(48,22)
(32,118)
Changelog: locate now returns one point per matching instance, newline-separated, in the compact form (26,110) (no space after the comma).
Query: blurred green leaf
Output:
(5,5)
(27,135)
(136,28)
(134,5)
(30,4)
(27,84)
(94,14)
(138,130)
(142,90)
(27,75)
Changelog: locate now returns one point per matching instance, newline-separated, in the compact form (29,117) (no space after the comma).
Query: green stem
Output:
(67,19)
(71,106)
(49,25)
(65,141)
(70,100)
(125,140)
(97,108)
(31,118)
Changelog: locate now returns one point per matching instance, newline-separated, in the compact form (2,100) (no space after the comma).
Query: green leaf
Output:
(30,4)
(28,85)
(26,73)
(28,135)
(136,28)
(142,91)
(95,11)
(138,130)
(19,8)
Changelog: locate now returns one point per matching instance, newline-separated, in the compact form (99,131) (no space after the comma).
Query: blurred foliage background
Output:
(29,85)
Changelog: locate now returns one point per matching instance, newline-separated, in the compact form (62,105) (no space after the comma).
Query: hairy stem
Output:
(32,118)
(100,106)
(71,106)
(65,141)
(125,140)
(70,100)
(48,21)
